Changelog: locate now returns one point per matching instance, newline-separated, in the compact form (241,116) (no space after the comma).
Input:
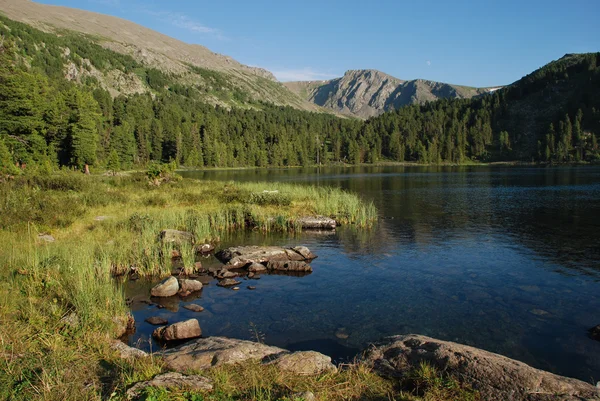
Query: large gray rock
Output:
(204,353)
(172,380)
(305,363)
(317,223)
(496,377)
(176,237)
(178,331)
(166,288)
(242,256)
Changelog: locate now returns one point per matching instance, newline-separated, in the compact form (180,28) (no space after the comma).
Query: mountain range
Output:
(361,93)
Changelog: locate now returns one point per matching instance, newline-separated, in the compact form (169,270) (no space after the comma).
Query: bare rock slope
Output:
(368,93)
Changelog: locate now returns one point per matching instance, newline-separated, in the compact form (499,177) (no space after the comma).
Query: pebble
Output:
(236,288)
(251,287)
(157,321)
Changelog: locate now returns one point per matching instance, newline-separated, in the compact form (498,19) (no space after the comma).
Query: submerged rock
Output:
(179,331)
(172,380)
(317,222)
(189,285)
(176,237)
(595,333)
(305,363)
(204,353)
(242,256)
(497,378)
(156,321)
(194,307)
(166,288)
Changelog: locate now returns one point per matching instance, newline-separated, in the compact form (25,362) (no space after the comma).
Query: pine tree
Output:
(113,163)
(83,128)
(7,163)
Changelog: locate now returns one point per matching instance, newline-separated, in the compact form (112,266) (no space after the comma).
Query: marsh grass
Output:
(58,301)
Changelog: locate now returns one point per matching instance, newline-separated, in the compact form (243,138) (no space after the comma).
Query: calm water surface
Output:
(505,259)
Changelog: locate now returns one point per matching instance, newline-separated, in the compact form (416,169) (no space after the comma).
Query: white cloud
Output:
(183,21)
(428,62)
(303,74)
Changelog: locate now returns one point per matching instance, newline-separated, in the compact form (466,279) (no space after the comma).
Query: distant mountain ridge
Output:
(369,93)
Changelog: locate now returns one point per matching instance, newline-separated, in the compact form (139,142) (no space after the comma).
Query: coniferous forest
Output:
(49,121)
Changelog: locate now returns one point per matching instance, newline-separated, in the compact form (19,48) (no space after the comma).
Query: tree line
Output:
(552,115)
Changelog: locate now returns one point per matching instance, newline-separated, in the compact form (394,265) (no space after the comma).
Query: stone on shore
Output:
(317,223)
(127,352)
(176,237)
(204,353)
(495,377)
(242,256)
(257,268)
(178,331)
(189,285)
(305,363)
(172,380)
(166,288)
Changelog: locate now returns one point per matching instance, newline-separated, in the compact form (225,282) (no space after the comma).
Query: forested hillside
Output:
(54,114)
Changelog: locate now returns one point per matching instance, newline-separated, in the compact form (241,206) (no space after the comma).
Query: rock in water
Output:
(496,377)
(292,266)
(228,282)
(157,321)
(172,380)
(194,307)
(204,249)
(242,256)
(204,353)
(166,288)
(178,331)
(257,268)
(189,285)
(317,223)
(305,363)
(176,237)
(595,333)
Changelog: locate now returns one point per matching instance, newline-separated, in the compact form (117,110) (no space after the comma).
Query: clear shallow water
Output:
(505,259)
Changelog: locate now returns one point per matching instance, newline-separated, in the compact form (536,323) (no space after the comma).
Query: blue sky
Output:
(476,43)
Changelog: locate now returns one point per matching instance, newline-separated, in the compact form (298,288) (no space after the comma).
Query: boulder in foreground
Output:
(497,378)
(205,353)
(178,331)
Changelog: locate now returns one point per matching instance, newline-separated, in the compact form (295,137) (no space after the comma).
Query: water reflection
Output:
(506,259)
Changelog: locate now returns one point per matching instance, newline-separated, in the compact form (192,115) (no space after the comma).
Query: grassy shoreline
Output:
(58,300)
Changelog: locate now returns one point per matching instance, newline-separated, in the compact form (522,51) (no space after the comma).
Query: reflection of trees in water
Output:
(555,212)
